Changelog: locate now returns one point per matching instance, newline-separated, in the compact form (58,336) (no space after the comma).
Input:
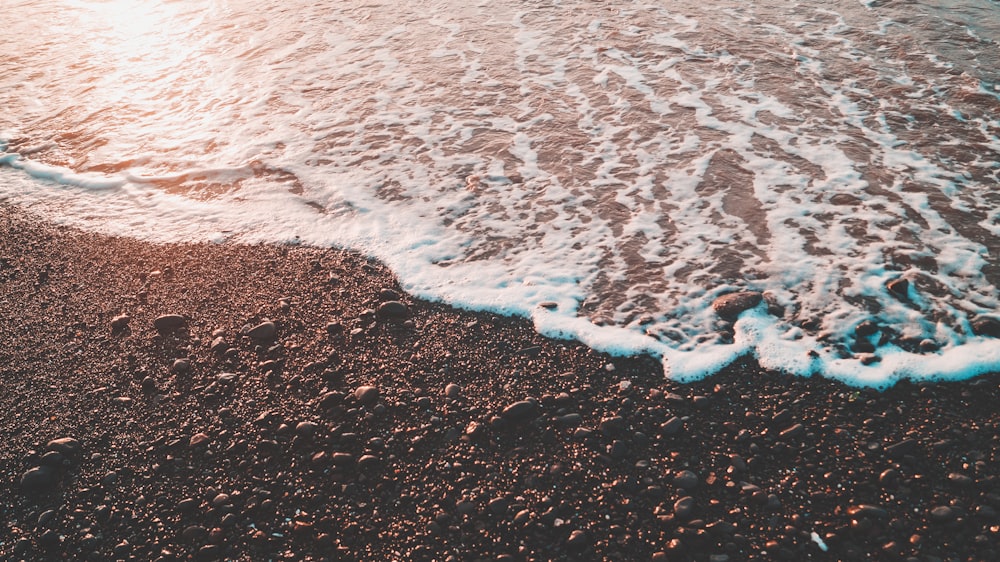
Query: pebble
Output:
(730,306)
(452,390)
(366,395)
(68,446)
(265,331)
(942,514)
(686,479)
(522,411)
(169,322)
(120,322)
(199,439)
(900,287)
(672,426)
(684,508)
(392,310)
(793,431)
(578,540)
(39,479)
(901,448)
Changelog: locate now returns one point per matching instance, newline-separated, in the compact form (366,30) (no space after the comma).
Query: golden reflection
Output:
(127,32)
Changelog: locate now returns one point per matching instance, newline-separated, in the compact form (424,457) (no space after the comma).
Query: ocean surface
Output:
(607,169)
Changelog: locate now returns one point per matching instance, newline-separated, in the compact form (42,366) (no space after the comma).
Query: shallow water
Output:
(624,165)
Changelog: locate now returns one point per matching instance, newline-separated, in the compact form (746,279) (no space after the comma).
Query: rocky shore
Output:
(223,402)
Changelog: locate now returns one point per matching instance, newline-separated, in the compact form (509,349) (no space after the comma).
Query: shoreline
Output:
(361,430)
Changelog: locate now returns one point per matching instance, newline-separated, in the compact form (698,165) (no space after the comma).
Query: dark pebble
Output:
(942,514)
(169,322)
(672,426)
(120,322)
(901,448)
(39,479)
(686,479)
(265,331)
(366,395)
(684,508)
(731,305)
(578,540)
(521,411)
(392,310)
(793,431)
(66,445)
(900,287)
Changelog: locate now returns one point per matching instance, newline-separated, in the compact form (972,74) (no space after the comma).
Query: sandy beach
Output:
(225,402)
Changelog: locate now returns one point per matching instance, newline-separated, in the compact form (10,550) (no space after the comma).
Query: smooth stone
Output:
(263,331)
(942,514)
(672,426)
(120,322)
(66,445)
(392,310)
(732,304)
(366,395)
(684,508)
(452,390)
(169,322)
(199,439)
(900,287)
(686,479)
(38,479)
(520,411)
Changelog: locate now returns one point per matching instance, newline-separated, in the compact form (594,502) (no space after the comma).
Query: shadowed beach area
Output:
(227,402)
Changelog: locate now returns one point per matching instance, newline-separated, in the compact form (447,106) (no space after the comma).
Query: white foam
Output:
(629,166)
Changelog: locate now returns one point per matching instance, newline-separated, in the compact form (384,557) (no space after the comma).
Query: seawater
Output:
(606,169)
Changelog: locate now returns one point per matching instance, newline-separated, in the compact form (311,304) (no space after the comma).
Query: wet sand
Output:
(294,404)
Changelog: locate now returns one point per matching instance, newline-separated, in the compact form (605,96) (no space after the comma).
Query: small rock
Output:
(901,449)
(730,306)
(578,540)
(959,479)
(392,310)
(366,395)
(199,439)
(684,508)
(793,431)
(986,326)
(120,322)
(686,479)
(867,510)
(305,429)
(452,390)
(39,479)
(68,446)
(169,322)
(942,514)
(900,287)
(672,426)
(522,411)
(264,331)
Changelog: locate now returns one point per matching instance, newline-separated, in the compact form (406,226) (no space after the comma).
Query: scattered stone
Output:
(578,540)
(986,326)
(392,310)
(68,446)
(901,449)
(39,479)
(942,514)
(899,287)
(199,439)
(730,306)
(684,508)
(673,426)
(522,411)
(366,395)
(792,432)
(686,479)
(120,322)
(452,390)
(867,510)
(169,323)
(265,331)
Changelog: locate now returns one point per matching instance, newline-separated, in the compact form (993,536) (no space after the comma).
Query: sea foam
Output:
(606,171)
